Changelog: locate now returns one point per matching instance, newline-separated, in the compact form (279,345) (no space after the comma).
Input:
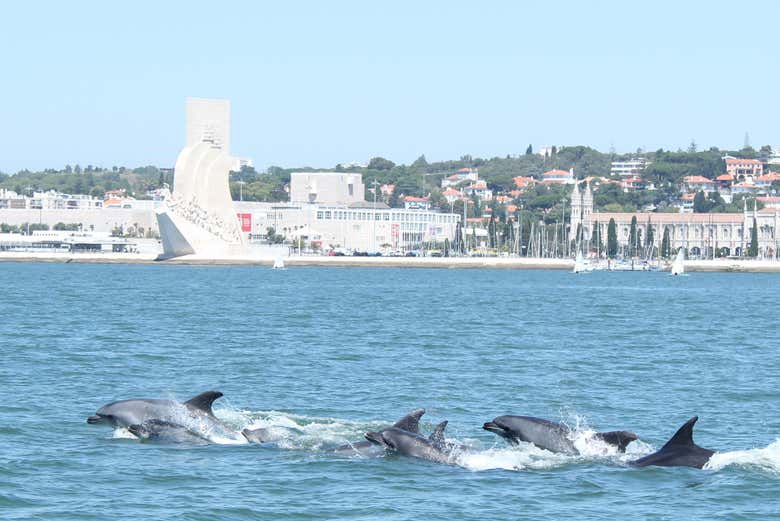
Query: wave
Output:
(299,432)
(765,459)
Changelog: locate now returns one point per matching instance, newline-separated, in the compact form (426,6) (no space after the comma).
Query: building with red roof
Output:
(561,177)
(698,182)
(744,169)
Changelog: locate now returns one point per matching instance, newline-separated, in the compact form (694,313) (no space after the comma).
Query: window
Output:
(319,215)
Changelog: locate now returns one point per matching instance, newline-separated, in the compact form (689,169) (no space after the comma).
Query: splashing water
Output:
(766,458)
(521,457)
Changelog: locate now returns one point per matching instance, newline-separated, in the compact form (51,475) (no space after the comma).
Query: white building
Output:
(464,174)
(631,168)
(328,210)
(360,226)
(326,188)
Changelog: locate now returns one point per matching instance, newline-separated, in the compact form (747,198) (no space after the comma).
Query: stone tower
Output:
(576,211)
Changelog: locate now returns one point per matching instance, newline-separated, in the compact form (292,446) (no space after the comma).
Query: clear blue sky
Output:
(318,83)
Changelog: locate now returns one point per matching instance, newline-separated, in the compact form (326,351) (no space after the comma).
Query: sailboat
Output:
(278,263)
(678,266)
(579,264)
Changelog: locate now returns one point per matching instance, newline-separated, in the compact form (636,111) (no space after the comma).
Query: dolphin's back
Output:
(679,451)
(138,411)
(543,433)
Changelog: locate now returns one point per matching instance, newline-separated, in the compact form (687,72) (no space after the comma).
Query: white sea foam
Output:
(306,432)
(766,458)
(521,457)
(123,434)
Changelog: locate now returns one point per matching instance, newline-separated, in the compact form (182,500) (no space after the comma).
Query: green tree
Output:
(596,240)
(612,242)
(394,201)
(650,237)
(632,237)
(665,244)
(700,203)
(420,162)
(753,249)
(380,163)
(529,151)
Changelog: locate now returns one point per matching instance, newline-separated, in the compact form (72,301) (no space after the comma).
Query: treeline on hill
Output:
(421,178)
(90,180)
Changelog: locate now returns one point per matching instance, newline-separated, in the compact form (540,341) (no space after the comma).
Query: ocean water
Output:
(334,353)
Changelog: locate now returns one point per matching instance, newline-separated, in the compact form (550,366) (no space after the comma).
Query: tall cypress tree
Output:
(665,250)
(632,238)
(650,237)
(612,242)
(753,249)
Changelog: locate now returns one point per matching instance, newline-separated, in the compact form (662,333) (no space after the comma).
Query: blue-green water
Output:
(337,352)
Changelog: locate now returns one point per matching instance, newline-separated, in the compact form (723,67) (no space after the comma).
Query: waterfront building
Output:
(361,226)
(702,234)
(66,242)
(328,210)
(88,213)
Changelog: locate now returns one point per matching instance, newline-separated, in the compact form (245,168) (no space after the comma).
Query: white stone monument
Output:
(198,217)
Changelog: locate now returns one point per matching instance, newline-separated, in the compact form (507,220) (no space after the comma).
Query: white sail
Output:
(579,263)
(678,266)
(279,263)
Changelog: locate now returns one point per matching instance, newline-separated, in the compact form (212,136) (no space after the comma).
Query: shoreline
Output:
(728,265)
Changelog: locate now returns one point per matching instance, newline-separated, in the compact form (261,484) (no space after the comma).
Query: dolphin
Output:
(548,435)
(413,444)
(409,423)
(679,451)
(194,414)
(166,432)
(269,434)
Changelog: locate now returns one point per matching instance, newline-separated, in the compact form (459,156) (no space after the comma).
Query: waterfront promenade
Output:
(719,265)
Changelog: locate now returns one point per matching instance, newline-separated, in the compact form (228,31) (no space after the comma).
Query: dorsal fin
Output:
(410,422)
(437,436)
(684,435)
(203,401)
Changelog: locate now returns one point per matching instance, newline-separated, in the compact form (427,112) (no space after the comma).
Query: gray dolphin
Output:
(679,451)
(413,444)
(194,414)
(166,432)
(409,423)
(269,434)
(548,435)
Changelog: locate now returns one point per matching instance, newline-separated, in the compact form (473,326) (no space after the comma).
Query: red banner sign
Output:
(246,221)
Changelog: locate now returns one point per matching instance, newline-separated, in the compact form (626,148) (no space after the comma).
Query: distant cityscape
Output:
(552,203)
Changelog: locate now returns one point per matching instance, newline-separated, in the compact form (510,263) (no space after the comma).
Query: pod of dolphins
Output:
(194,421)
